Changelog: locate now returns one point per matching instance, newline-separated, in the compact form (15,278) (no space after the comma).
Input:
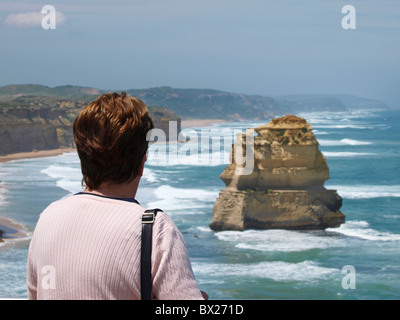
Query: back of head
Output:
(110,137)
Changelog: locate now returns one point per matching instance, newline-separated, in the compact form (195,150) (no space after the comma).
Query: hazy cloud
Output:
(254,47)
(31,19)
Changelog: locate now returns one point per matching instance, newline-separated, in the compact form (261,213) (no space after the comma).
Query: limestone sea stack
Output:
(285,190)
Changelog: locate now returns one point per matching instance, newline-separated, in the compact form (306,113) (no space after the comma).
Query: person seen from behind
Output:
(88,245)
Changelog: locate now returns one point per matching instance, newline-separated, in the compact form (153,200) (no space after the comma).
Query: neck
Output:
(116,190)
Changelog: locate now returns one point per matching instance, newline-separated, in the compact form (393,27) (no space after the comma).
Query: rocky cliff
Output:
(285,190)
(205,103)
(34,123)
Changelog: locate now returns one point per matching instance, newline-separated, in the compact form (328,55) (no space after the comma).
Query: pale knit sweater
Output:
(88,247)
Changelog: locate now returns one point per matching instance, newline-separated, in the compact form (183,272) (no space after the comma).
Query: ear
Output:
(142,165)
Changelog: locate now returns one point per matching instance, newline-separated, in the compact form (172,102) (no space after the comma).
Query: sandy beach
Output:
(48,153)
(9,229)
(200,122)
(34,154)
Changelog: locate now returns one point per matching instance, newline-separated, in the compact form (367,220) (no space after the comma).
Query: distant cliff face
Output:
(209,104)
(206,103)
(285,189)
(44,123)
(165,119)
(30,124)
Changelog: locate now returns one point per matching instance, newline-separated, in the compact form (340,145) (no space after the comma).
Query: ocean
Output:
(358,260)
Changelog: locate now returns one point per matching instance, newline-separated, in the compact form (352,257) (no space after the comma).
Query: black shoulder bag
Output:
(145,267)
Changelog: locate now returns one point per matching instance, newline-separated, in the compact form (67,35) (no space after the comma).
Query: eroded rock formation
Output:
(286,187)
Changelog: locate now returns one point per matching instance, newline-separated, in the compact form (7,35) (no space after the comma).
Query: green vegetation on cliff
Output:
(70,92)
(209,104)
(29,123)
(205,103)
(39,117)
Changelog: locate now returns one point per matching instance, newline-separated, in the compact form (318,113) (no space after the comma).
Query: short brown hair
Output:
(110,137)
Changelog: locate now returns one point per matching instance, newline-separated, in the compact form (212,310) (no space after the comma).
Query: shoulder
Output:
(165,228)
(92,206)
(163,221)
(57,205)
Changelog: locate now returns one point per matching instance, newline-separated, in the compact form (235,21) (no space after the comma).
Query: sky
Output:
(257,47)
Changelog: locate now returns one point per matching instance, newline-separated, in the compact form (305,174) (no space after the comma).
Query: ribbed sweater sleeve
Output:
(87,247)
(173,277)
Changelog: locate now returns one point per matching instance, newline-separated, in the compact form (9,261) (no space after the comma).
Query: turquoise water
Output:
(362,150)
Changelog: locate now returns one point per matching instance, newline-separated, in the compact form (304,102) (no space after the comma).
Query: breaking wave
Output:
(366,191)
(346,154)
(306,271)
(343,142)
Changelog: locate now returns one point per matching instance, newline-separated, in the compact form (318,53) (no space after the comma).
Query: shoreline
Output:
(187,123)
(34,154)
(11,230)
(55,152)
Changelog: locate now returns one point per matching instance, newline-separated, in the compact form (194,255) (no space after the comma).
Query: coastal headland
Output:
(35,117)
(188,123)
(36,120)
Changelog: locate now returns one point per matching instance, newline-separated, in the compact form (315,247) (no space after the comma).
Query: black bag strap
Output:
(145,268)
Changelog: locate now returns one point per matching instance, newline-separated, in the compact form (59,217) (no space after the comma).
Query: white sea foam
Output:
(366,191)
(391,216)
(336,120)
(297,241)
(362,230)
(205,147)
(346,154)
(68,178)
(343,142)
(3,188)
(344,126)
(317,121)
(149,175)
(329,143)
(12,242)
(186,154)
(68,158)
(317,132)
(179,199)
(336,115)
(355,142)
(280,240)
(204,229)
(306,271)
(3,196)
